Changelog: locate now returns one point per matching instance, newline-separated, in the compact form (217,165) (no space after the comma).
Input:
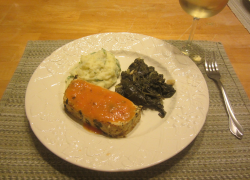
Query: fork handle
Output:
(229,108)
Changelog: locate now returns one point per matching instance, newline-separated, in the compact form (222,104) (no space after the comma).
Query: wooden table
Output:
(24,20)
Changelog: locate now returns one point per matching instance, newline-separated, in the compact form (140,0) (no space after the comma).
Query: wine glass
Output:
(199,9)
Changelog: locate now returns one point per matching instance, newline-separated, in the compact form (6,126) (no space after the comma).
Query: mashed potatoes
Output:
(100,68)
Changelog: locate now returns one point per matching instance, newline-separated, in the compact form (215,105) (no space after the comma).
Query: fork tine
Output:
(206,64)
(216,68)
(212,65)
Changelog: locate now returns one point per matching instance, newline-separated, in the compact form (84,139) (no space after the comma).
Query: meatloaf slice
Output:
(101,108)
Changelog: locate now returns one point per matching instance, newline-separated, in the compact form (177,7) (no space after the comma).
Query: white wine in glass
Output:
(199,9)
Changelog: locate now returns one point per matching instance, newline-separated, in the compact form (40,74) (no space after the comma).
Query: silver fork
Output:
(213,73)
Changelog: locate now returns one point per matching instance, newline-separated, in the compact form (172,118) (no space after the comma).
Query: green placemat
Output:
(214,154)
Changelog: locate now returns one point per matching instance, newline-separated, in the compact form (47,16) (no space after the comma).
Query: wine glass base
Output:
(195,53)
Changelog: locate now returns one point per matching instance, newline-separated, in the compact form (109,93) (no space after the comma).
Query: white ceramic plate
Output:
(153,140)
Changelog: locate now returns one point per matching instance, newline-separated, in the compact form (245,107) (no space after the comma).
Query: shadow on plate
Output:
(57,167)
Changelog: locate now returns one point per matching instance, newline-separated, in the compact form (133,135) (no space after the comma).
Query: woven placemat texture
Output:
(241,9)
(214,154)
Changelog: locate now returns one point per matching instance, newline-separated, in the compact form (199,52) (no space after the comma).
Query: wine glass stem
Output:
(193,28)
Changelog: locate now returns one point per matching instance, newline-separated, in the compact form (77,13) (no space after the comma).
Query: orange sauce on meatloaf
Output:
(99,103)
